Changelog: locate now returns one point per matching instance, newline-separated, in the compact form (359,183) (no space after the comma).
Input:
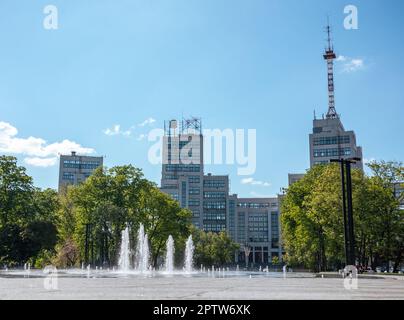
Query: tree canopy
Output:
(312,220)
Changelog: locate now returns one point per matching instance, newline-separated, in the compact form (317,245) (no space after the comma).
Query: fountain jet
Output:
(124,255)
(142,250)
(189,255)
(169,263)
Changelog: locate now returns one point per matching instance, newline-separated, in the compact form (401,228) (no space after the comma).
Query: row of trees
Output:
(84,222)
(312,220)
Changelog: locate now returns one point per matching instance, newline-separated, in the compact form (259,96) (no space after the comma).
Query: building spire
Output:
(329,56)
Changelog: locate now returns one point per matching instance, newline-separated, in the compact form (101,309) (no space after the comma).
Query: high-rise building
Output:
(257,229)
(74,169)
(215,202)
(252,222)
(329,139)
(182,168)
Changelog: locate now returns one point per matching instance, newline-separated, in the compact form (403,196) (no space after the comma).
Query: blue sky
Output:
(236,64)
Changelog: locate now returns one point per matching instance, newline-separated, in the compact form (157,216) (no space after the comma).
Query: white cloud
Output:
(41,162)
(148,121)
(253,182)
(351,64)
(116,130)
(36,148)
(141,137)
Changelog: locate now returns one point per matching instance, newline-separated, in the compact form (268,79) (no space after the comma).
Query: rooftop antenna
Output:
(330,56)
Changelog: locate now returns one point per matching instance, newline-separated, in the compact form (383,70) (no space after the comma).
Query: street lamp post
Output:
(347,208)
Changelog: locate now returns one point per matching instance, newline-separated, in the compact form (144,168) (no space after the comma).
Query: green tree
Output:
(312,220)
(111,199)
(388,229)
(163,217)
(275,260)
(213,248)
(27,215)
(16,191)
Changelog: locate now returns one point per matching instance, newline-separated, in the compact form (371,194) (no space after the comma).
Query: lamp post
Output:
(346,184)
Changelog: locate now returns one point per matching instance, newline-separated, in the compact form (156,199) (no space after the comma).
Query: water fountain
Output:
(146,255)
(140,266)
(124,255)
(189,255)
(142,251)
(169,262)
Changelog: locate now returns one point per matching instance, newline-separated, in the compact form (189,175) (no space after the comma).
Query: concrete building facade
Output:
(257,230)
(329,140)
(74,169)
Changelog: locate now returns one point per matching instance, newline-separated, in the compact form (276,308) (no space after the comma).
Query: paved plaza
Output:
(243,288)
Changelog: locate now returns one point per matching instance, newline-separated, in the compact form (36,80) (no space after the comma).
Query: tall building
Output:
(329,139)
(74,168)
(252,222)
(215,202)
(257,227)
(182,168)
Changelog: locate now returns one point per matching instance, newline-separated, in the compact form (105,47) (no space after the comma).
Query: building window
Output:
(194,179)
(241,236)
(217,205)
(68,176)
(252,205)
(274,230)
(214,227)
(170,177)
(194,203)
(321,141)
(212,184)
(77,164)
(183,194)
(214,216)
(182,167)
(214,194)
(334,152)
(194,191)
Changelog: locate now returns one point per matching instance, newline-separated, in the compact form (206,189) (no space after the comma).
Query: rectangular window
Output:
(194,179)
(321,141)
(194,191)
(252,205)
(68,176)
(194,203)
(274,230)
(334,152)
(214,216)
(214,194)
(214,227)
(218,205)
(214,184)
